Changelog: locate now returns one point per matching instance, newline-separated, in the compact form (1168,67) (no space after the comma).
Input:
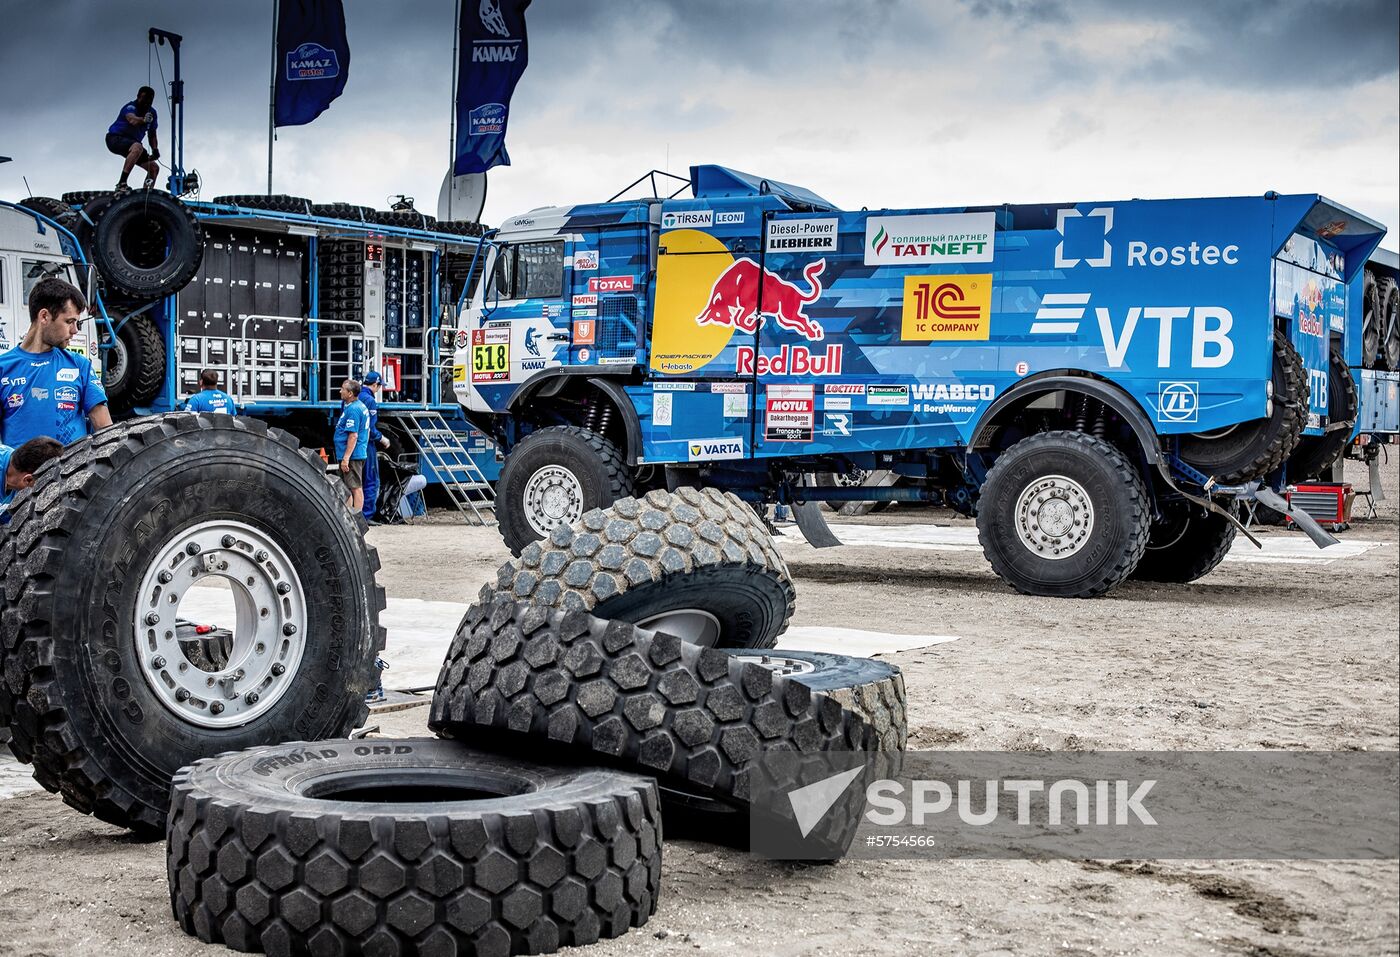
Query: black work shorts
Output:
(121,145)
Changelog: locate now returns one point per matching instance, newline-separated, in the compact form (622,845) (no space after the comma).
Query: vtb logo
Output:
(1178,402)
(952,307)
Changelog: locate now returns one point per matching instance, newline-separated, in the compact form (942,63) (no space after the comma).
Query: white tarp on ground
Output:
(1294,548)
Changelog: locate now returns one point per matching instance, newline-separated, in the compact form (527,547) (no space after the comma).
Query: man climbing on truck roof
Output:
(17,468)
(135,121)
(45,388)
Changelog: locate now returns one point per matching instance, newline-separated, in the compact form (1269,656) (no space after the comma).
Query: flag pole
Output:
(272,97)
(452,123)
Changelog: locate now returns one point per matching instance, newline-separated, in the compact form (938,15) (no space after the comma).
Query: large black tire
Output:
(416,846)
(408,218)
(1316,454)
(277,202)
(342,211)
(128,255)
(84,196)
(460,228)
(846,480)
(57,210)
(600,476)
(1251,450)
(696,718)
(133,370)
(701,558)
(1388,299)
(1109,546)
(1186,544)
(88,217)
(1371,330)
(99,727)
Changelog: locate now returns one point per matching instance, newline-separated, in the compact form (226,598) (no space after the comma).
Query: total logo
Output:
(610,284)
(1060,314)
(1178,401)
(708,450)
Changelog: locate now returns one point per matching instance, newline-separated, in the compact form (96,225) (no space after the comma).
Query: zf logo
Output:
(1177,402)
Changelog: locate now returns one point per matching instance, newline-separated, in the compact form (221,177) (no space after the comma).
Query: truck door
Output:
(608,276)
(10,332)
(521,332)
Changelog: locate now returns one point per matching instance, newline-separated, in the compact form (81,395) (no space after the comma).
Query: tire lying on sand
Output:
(416,846)
(697,564)
(1185,544)
(148,244)
(695,718)
(97,687)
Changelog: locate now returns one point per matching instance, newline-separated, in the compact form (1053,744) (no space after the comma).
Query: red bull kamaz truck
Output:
(1099,383)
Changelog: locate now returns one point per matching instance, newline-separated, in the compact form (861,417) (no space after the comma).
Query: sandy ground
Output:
(1293,656)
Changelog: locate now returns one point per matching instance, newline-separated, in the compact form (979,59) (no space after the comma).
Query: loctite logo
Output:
(789,360)
(746,287)
(610,284)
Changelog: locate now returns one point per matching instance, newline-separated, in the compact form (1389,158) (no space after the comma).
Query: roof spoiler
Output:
(717,182)
(1318,217)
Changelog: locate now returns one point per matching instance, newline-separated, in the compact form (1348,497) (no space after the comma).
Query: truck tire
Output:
(693,717)
(1186,544)
(1316,454)
(88,217)
(133,370)
(57,210)
(408,218)
(413,846)
(1388,324)
(342,211)
(552,477)
(125,255)
(276,202)
(855,477)
(92,688)
(1371,329)
(695,564)
(84,196)
(1251,450)
(460,227)
(1063,514)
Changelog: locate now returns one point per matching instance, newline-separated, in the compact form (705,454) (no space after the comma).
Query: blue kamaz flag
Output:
(491,55)
(313,59)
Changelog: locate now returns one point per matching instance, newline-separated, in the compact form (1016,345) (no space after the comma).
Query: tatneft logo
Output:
(705,450)
(687,218)
(1178,402)
(1060,314)
(929,238)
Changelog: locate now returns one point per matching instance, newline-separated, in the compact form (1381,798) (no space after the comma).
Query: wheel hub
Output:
(780,664)
(256,657)
(553,497)
(1054,517)
(694,625)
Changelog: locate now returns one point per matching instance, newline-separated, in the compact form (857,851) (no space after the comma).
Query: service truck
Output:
(1097,382)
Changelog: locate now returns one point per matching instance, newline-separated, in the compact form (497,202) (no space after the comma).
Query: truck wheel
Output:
(342,211)
(97,687)
(695,718)
(406,847)
(855,477)
(1388,323)
(1250,450)
(695,564)
(129,257)
(1371,329)
(552,477)
(57,210)
(84,196)
(1063,514)
(276,202)
(134,368)
(1186,544)
(1316,454)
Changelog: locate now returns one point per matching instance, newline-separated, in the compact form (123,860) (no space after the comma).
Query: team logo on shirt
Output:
(39,394)
(65,393)
(15,400)
(66,375)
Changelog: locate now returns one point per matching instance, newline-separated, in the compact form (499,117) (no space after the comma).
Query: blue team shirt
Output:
(46,393)
(353,418)
(210,400)
(5,493)
(122,128)
(372,405)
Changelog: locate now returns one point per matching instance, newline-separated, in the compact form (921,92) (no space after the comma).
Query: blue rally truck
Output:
(1097,382)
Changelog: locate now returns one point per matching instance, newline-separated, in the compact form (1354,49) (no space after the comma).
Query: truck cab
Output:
(33,247)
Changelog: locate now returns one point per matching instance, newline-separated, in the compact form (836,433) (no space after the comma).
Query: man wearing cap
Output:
(369,395)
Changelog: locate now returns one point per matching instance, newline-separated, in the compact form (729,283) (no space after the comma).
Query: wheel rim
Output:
(852,479)
(780,664)
(553,497)
(1054,517)
(268,638)
(694,625)
(114,363)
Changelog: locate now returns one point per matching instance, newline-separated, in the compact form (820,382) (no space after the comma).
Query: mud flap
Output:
(1320,536)
(1377,486)
(813,526)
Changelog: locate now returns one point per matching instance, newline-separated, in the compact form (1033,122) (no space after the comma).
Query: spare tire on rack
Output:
(84,196)
(98,689)
(277,202)
(1388,323)
(342,211)
(460,228)
(1372,331)
(1316,454)
(148,245)
(133,370)
(408,218)
(57,210)
(1250,450)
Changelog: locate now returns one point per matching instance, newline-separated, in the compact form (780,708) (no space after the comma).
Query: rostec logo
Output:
(1178,402)
(311,61)
(1211,345)
(610,284)
(947,307)
(705,450)
(1100,212)
(746,287)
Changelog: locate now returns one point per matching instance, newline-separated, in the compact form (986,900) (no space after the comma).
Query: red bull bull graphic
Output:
(745,288)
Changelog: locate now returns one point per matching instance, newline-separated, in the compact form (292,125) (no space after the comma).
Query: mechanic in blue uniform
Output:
(17,468)
(210,398)
(369,390)
(46,389)
(135,121)
(351,443)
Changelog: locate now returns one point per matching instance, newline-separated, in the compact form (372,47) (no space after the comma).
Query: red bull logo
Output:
(746,287)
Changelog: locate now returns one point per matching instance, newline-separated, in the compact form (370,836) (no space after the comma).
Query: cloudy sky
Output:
(867,102)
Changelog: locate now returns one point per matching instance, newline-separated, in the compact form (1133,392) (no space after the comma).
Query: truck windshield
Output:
(528,271)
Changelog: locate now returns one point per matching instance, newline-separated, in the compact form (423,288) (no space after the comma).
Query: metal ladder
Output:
(442,449)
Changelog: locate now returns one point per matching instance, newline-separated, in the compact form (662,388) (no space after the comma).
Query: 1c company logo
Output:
(1178,402)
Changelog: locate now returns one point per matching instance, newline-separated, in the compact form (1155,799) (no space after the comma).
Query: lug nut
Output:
(164,577)
(181,694)
(157,662)
(192,548)
(251,697)
(278,668)
(216,707)
(283,587)
(261,556)
(289,629)
(228,541)
(152,618)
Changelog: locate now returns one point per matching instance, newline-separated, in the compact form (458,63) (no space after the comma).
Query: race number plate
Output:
(490,355)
